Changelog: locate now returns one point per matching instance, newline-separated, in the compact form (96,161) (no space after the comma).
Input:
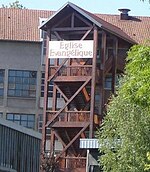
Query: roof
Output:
(91,17)
(23,24)
(19,128)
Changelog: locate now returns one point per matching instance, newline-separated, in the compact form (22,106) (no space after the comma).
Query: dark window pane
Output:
(26,74)
(24,117)
(18,80)
(18,93)
(31,117)
(11,92)
(10,117)
(19,73)
(17,117)
(1,79)
(30,124)
(19,86)
(11,73)
(11,79)
(25,80)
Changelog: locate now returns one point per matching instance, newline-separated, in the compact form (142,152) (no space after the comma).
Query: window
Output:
(22,83)
(2,73)
(50,88)
(26,120)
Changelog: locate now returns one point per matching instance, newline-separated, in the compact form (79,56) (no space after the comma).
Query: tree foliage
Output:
(15,4)
(125,133)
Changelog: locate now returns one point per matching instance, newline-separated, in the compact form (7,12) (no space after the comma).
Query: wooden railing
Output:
(70,116)
(75,70)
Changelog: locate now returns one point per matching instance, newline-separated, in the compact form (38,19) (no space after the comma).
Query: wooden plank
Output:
(70,79)
(69,124)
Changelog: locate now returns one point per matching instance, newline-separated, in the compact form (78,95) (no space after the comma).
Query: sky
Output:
(137,7)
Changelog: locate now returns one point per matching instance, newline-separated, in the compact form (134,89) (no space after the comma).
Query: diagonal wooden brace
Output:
(67,103)
(71,142)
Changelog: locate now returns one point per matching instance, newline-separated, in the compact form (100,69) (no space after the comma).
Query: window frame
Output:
(18,118)
(22,83)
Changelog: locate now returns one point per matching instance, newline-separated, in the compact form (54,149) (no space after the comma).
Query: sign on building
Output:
(71,49)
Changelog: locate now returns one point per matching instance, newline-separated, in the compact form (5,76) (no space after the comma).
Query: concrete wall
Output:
(21,56)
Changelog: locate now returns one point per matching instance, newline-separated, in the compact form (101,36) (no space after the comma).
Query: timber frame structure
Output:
(81,82)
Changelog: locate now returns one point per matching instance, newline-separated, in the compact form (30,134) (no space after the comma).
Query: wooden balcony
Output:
(72,119)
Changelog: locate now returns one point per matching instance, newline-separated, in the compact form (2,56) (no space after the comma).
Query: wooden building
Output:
(84,83)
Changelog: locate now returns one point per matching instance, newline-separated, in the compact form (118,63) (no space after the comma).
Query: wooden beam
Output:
(72,20)
(47,63)
(71,78)
(69,124)
(82,19)
(61,21)
(74,151)
(93,83)
(59,138)
(57,35)
(72,141)
(50,78)
(61,92)
(86,34)
(67,29)
(67,103)
(102,68)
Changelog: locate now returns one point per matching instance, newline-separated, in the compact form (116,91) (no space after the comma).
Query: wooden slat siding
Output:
(18,151)
(95,38)
(47,60)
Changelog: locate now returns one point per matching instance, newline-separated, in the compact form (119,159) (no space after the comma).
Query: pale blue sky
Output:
(138,8)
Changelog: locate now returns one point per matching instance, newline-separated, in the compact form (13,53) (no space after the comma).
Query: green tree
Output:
(15,4)
(125,133)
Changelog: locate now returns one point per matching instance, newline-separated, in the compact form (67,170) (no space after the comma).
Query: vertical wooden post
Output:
(102,68)
(47,63)
(114,64)
(95,38)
